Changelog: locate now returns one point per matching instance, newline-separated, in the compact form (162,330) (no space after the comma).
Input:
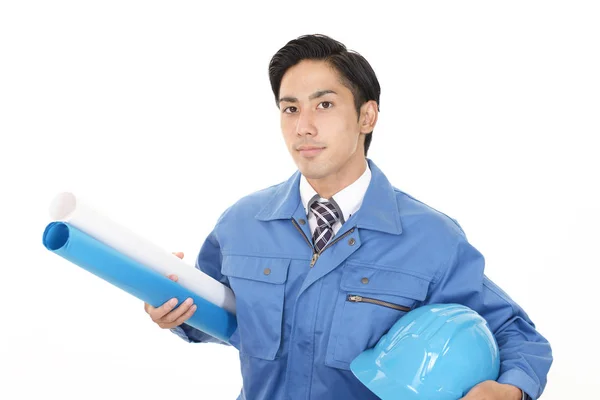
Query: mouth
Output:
(310,151)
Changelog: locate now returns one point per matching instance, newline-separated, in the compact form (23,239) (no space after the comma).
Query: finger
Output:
(178,254)
(187,312)
(158,313)
(471,395)
(148,308)
(178,312)
(186,316)
(173,277)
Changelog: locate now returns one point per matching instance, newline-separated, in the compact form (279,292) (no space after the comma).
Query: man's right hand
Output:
(164,315)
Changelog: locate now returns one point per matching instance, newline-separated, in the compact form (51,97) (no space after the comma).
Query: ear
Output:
(368,116)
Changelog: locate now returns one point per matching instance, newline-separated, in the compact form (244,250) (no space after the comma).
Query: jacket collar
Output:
(379,210)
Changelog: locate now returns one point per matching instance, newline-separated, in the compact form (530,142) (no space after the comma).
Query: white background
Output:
(161,115)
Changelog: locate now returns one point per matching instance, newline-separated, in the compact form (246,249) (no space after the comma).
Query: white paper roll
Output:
(66,207)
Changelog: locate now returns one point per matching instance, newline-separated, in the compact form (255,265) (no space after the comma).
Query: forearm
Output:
(525,355)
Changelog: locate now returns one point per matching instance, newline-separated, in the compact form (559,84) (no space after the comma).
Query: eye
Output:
(326,104)
(290,110)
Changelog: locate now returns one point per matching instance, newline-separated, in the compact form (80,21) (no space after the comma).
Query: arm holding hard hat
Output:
(525,355)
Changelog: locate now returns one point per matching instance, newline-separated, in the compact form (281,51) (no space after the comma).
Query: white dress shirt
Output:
(348,199)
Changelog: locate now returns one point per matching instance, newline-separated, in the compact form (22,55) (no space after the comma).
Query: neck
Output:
(328,186)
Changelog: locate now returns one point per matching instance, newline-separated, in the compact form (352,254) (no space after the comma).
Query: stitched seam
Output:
(391,269)
(500,295)
(441,270)
(261,255)
(312,361)
(432,208)
(534,381)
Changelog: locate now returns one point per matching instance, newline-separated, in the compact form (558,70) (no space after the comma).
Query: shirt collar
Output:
(379,209)
(348,200)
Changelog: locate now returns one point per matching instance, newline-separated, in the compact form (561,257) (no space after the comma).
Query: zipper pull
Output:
(314,259)
(354,298)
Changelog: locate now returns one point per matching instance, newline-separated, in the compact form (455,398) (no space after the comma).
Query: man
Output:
(295,253)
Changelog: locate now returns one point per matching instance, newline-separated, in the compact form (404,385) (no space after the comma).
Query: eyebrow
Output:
(313,96)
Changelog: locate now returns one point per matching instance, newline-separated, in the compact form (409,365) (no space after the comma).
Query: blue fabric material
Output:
(134,278)
(297,330)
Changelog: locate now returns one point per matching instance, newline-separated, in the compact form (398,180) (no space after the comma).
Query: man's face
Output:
(319,121)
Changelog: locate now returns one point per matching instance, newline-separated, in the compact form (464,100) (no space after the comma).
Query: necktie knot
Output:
(326,213)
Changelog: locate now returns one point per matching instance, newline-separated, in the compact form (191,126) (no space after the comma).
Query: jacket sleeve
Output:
(525,355)
(208,261)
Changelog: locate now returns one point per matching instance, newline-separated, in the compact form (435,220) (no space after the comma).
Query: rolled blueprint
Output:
(66,207)
(134,278)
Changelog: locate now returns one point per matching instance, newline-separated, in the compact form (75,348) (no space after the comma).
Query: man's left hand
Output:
(492,390)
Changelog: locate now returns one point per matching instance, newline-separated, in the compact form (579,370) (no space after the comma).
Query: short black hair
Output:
(355,72)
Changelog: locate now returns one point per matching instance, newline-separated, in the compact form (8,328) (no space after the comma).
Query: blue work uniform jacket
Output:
(298,329)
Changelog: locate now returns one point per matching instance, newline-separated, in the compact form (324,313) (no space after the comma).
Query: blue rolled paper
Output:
(134,278)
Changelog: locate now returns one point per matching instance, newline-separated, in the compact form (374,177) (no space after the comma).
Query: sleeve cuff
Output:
(181,333)
(193,335)
(518,378)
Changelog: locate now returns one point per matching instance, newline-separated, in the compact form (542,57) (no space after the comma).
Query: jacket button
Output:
(351,242)
(267,271)
(302,221)
(365,280)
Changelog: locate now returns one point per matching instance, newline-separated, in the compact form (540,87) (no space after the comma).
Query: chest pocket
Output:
(259,287)
(369,302)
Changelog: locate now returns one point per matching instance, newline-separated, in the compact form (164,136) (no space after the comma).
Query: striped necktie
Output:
(327,216)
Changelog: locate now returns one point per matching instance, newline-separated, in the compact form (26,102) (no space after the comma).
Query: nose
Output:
(305,124)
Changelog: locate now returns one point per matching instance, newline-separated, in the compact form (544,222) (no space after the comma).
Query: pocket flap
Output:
(365,279)
(270,270)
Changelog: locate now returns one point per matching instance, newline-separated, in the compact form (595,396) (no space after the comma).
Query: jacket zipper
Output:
(316,254)
(359,299)
(303,235)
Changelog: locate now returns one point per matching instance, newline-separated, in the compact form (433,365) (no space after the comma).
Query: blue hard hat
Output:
(434,352)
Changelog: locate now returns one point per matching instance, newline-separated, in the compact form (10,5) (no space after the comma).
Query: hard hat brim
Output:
(377,381)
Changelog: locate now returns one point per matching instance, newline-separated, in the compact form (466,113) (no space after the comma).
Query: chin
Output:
(313,168)
(313,172)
